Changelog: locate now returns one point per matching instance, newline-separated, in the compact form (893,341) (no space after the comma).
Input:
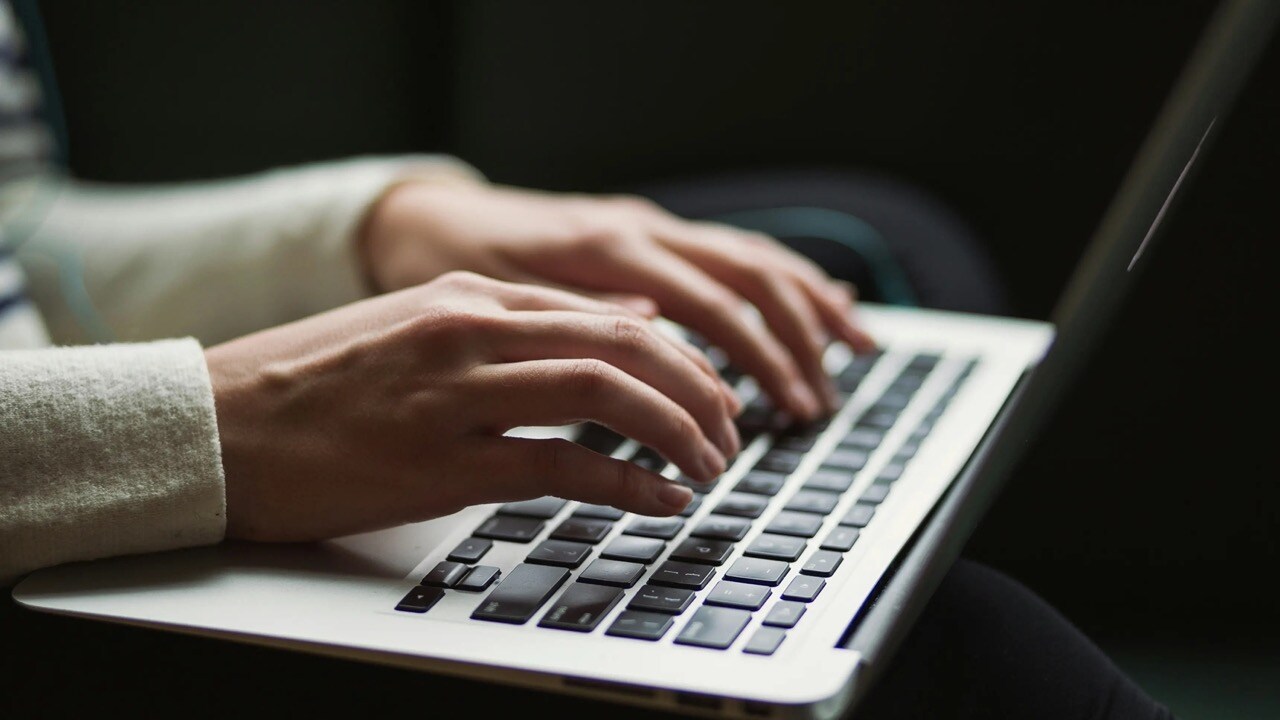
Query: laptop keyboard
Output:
(704,586)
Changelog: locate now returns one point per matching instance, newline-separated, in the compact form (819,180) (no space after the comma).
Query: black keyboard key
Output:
(600,512)
(776,547)
(561,553)
(759,417)
(853,373)
(780,461)
(692,507)
(519,596)
(599,438)
(652,598)
(813,501)
(921,432)
(891,472)
(846,459)
(742,505)
(420,599)
(673,573)
(722,527)
(510,528)
(445,574)
(581,607)
(804,588)
(796,524)
(765,641)
(714,627)
(894,401)
(841,539)
(862,439)
(906,452)
(924,362)
(829,480)
(703,551)
(760,483)
(618,573)
(758,571)
(478,579)
(587,530)
(740,595)
(798,441)
(471,550)
(661,528)
(822,563)
(785,614)
(649,459)
(632,548)
(543,507)
(859,515)
(875,494)
(641,625)
(878,419)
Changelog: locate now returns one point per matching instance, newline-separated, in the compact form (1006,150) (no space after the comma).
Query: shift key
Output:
(521,593)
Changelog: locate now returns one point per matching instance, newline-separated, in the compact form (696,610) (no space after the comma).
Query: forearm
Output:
(106,450)
(213,260)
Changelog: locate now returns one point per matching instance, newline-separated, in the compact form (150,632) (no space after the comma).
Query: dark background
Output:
(1148,511)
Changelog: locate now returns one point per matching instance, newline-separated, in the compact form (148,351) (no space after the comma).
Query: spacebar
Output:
(525,589)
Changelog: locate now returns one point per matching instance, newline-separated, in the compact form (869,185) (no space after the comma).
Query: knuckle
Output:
(635,203)
(451,327)
(631,335)
(597,241)
(629,482)
(590,377)
(460,279)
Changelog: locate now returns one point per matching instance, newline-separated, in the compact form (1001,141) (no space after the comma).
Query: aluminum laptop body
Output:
(979,389)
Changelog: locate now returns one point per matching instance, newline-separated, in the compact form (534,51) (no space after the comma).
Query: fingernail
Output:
(830,398)
(731,399)
(803,397)
(676,497)
(712,461)
(730,432)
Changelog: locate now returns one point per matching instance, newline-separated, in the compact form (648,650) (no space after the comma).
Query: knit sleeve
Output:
(106,450)
(214,260)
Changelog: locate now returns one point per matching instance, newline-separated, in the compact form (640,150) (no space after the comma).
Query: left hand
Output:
(696,273)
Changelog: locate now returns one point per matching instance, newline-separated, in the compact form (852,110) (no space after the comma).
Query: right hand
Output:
(392,410)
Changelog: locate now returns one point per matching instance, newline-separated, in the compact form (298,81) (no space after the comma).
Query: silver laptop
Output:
(785,588)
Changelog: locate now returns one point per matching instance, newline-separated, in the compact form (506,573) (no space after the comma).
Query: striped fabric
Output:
(24,148)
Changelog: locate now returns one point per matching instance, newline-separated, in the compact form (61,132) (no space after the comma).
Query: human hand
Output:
(392,410)
(699,274)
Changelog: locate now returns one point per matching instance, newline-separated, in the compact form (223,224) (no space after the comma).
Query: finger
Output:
(644,306)
(560,392)
(838,316)
(691,297)
(833,300)
(523,296)
(631,345)
(788,310)
(522,469)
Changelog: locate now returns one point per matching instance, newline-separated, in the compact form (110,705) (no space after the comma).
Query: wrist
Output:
(401,240)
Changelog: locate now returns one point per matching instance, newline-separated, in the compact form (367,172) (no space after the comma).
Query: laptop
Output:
(785,588)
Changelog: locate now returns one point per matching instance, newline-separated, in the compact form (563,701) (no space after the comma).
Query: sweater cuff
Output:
(106,450)
(356,185)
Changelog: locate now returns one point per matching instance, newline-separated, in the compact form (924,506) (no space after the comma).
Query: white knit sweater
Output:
(113,449)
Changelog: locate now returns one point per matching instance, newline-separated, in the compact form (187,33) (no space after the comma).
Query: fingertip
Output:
(673,496)
(804,402)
